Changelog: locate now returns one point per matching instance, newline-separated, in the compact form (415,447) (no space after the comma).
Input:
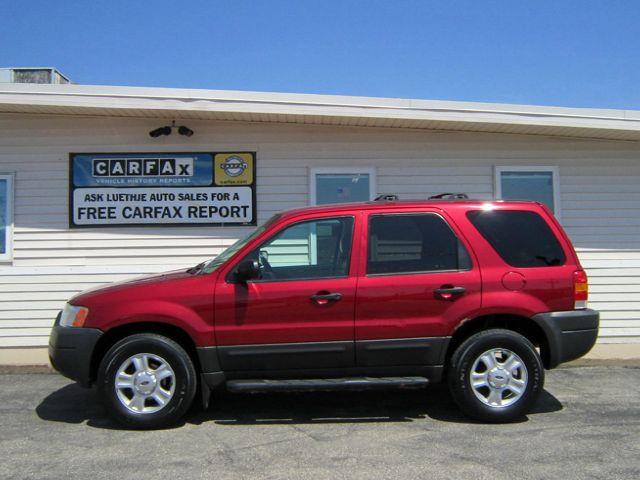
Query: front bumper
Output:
(570,335)
(70,351)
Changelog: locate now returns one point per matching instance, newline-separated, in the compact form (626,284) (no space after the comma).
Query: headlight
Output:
(73,316)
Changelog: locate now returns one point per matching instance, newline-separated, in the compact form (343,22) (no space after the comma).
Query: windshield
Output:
(211,265)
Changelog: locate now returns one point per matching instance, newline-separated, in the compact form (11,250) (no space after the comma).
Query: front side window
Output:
(306,250)
(406,243)
(539,184)
(6,216)
(211,265)
(521,238)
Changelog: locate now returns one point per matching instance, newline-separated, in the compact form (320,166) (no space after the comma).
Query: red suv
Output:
(370,295)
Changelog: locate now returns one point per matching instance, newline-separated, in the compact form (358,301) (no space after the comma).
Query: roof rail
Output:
(450,196)
(386,197)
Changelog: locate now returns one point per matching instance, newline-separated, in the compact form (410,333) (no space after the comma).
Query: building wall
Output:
(599,186)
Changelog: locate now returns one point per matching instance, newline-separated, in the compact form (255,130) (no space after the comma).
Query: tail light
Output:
(580,289)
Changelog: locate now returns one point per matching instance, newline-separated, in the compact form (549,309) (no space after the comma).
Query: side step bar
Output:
(315,384)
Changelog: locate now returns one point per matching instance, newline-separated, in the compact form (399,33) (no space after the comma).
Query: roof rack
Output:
(450,196)
(386,197)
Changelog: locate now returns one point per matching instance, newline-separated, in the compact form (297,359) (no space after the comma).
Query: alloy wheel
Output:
(145,383)
(498,378)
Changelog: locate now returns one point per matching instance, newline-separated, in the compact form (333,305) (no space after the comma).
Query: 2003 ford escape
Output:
(378,294)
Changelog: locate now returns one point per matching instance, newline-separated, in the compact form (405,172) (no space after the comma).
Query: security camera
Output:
(186,131)
(160,131)
(182,130)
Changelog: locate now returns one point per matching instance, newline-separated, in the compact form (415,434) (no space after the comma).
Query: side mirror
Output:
(247,270)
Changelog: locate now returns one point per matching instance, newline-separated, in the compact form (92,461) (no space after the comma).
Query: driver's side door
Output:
(300,313)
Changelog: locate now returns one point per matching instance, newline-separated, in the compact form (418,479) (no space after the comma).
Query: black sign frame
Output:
(252,223)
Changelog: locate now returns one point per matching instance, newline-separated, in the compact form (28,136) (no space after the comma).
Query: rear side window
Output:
(406,243)
(521,238)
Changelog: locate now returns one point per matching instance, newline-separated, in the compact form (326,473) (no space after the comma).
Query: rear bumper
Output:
(70,351)
(570,335)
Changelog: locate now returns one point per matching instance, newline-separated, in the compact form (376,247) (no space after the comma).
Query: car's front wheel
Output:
(147,381)
(496,375)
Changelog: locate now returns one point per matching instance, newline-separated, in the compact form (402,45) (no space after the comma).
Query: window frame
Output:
(8,255)
(555,181)
(313,172)
(420,272)
(230,275)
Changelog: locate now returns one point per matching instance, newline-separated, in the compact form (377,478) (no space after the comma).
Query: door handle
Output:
(447,292)
(325,298)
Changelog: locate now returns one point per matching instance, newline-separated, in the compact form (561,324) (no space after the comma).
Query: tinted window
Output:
(306,250)
(522,239)
(413,243)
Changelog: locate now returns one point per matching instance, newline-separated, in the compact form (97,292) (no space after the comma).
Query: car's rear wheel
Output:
(147,381)
(496,375)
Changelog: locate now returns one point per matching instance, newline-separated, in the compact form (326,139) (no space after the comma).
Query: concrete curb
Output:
(22,369)
(603,362)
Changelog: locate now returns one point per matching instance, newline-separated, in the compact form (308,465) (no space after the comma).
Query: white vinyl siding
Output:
(599,190)
(291,251)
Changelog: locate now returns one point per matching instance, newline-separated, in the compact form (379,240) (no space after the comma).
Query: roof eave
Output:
(318,109)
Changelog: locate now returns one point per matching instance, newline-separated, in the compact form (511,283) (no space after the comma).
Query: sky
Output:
(578,53)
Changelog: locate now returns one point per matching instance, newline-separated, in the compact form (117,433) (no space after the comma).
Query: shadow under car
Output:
(74,404)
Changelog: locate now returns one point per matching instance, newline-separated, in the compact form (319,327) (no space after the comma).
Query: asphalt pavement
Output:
(586,426)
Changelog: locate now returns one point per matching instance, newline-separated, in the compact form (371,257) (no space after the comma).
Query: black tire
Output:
(461,364)
(176,357)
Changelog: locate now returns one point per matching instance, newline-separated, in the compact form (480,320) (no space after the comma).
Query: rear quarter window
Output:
(521,238)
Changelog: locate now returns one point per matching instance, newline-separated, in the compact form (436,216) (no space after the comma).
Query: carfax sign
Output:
(162,188)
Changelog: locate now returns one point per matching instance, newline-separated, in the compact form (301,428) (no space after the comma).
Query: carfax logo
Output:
(142,167)
(234,166)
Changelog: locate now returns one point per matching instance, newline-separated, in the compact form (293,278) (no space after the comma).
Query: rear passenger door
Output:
(418,282)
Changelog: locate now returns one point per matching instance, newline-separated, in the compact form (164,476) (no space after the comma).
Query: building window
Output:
(341,185)
(539,184)
(6,217)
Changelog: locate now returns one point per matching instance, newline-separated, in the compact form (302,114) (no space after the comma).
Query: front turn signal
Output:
(73,316)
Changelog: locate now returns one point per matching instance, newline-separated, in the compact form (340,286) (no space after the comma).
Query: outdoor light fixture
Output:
(182,130)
